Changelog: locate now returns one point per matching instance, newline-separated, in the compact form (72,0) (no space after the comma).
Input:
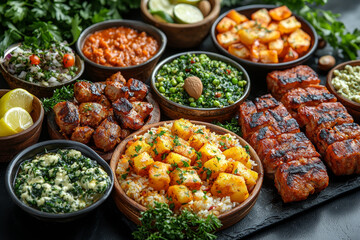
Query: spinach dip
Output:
(60,182)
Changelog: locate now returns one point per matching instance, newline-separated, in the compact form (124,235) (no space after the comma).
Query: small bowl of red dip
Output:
(131,47)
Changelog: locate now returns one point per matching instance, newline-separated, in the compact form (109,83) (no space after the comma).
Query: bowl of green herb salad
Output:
(58,180)
(200,86)
(40,70)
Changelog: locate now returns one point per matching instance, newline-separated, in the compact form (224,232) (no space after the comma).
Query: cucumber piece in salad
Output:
(186,13)
(161,5)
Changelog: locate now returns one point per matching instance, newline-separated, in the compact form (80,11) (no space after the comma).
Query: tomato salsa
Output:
(120,47)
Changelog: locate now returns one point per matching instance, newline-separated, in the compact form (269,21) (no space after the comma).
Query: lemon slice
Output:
(16,98)
(14,121)
(186,13)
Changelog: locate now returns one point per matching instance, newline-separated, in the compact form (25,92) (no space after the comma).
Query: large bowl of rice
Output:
(135,188)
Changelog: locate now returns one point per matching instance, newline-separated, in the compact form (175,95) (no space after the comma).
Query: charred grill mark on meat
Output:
(67,116)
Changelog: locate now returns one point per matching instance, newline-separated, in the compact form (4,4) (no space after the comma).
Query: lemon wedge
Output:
(14,121)
(16,98)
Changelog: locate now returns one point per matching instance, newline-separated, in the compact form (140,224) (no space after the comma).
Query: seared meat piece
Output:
(138,88)
(67,116)
(107,135)
(325,115)
(142,108)
(82,134)
(126,115)
(86,92)
(114,90)
(100,86)
(91,114)
(266,102)
(279,82)
(104,102)
(124,133)
(116,77)
(267,132)
(326,137)
(296,180)
(344,157)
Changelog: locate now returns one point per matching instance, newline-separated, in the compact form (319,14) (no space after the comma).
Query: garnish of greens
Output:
(231,125)
(65,93)
(161,223)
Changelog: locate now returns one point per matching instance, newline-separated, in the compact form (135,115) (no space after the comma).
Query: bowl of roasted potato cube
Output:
(189,165)
(264,37)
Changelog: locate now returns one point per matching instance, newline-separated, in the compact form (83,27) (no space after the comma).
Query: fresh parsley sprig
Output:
(231,125)
(64,93)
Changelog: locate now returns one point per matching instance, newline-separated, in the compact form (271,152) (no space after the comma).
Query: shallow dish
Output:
(11,145)
(247,11)
(37,89)
(97,72)
(176,110)
(183,35)
(132,209)
(29,152)
(352,107)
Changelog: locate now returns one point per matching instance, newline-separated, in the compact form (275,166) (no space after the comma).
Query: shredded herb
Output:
(65,93)
(232,126)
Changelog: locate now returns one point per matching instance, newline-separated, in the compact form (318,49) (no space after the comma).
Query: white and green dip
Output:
(46,67)
(347,82)
(61,182)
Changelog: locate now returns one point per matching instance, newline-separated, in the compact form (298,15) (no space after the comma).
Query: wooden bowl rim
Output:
(249,202)
(35,124)
(213,13)
(119,22)
(347,102)
(210,54)
(264,65)
(77,76)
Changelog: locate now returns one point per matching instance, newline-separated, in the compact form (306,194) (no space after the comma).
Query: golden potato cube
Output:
(182,128)
(197,141)
(227,38)
(289,25)
(261,16)
(162,145)
(266,36)
(273,26)
(213,167)
(208,151)
(246,25)
(247,36)
(179,195)
(183,148)
(299,41)
(280,13)
(255,49)
(239,154)
(227,184)
(159,178)
(239,50)
(226,24)
(187,177)
(290,55)
(249,175)
(268,56)
(237,17)
(177,160)
(141,163)
(137,148)
(277,45)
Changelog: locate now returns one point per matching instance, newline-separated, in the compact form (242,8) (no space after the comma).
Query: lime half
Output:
(162,16)
(161,5)
(186,13)
(192,2)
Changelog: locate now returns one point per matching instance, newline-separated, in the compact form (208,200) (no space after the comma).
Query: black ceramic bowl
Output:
(31,151)
(98,72)
(175,110)
(253,66)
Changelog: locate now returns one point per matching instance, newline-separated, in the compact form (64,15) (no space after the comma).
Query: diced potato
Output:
(227,184)
(227,38)
(289,25)
(277,45)
(179,195)
(197,141)
(177,160)
(273,26)
(208,151)
(237,17)
(187,177)
(268,56)
(247,36)
(249,175)
(141,163)
(226,24)
(182,128)
(239,50)
(238,154)
(159,178)
(162,145)
(183,148)
(290,55)
(299,41)
(280,13)
(247,25)
(213,167)
(261,16)
(137,148)
(266,36)
(255,49)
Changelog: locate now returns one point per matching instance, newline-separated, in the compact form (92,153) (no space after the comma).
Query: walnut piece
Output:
(193,86)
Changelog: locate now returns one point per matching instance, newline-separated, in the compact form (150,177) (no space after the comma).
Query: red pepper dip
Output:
(120,47)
